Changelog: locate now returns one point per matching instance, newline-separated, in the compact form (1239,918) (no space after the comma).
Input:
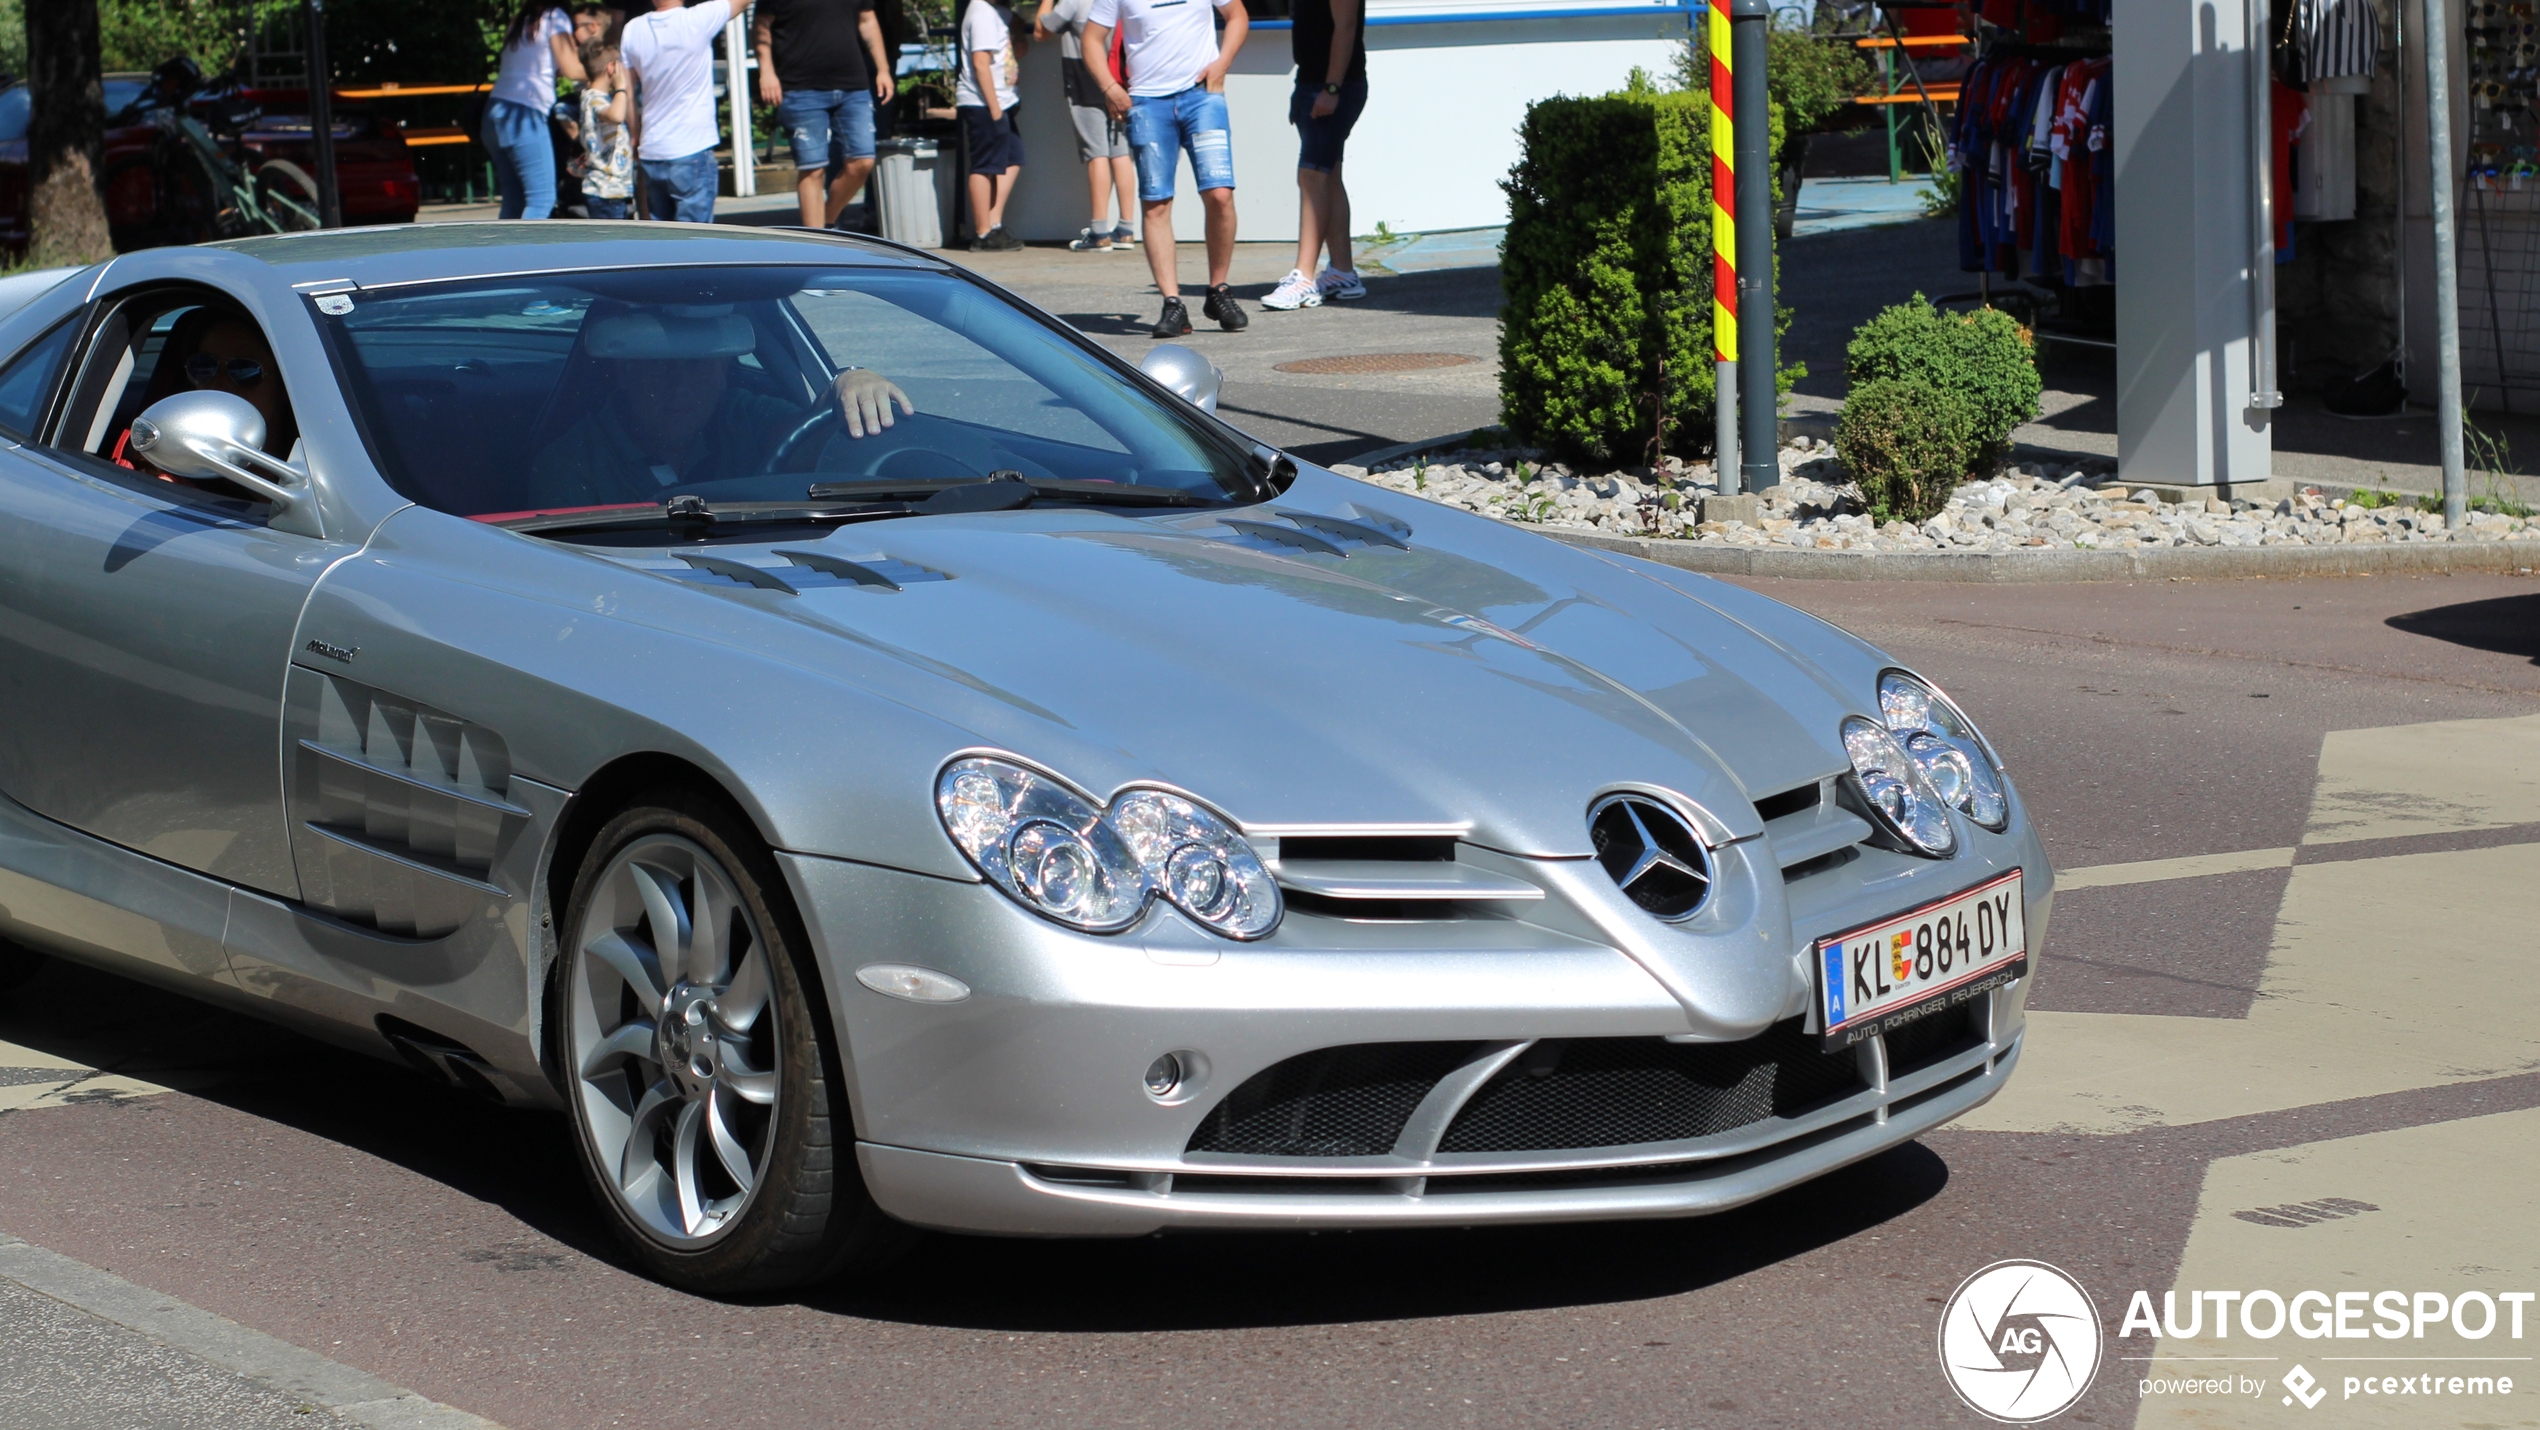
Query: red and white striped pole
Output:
(1724,463)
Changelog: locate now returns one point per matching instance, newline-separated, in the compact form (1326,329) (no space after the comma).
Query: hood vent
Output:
(1360,529)
(803,570)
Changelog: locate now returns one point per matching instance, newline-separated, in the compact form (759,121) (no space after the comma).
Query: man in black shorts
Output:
(1330,46)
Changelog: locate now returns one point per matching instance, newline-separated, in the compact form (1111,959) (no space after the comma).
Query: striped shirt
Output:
(2336,37)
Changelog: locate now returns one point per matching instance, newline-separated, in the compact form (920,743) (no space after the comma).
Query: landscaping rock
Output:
(1817,508)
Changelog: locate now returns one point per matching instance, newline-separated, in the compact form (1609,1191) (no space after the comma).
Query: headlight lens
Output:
(1899,792)
(1943,742)
(1093,869)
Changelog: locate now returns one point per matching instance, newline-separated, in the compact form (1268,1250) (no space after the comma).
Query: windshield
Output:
(16,105)
(508,398)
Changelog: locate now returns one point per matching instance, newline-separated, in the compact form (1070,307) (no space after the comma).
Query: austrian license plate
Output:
(1884,975)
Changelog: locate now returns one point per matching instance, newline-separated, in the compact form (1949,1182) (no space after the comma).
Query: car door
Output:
(145,625)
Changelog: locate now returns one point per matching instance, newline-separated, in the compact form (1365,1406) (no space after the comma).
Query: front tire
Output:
(697,1064)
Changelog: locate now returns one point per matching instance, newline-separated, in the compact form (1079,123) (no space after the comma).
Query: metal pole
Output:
(1759,406)
(1721,47)
(321,81)
(736,49)
(2447,274)
(2264,394)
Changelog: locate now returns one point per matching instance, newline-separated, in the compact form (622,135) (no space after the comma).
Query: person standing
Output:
(1102,142)
(608,149)
(822,64)
(984,97)
(537,45)
(1175,100)
(1331,90)
(671,53)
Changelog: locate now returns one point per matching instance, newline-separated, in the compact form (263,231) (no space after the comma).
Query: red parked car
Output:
(153,192)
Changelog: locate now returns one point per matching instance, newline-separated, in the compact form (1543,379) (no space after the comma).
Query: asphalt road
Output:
(2187,1061)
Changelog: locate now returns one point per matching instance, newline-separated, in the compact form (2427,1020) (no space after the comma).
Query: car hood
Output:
(1446,672)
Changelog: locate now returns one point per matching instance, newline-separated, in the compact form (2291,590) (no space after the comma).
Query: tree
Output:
(66,134)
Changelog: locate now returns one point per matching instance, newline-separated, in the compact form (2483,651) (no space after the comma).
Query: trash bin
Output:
(911,183)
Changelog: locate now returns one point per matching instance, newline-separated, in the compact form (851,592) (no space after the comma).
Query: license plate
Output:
(1884,975)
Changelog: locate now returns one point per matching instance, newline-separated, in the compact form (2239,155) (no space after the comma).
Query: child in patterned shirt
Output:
(607,165)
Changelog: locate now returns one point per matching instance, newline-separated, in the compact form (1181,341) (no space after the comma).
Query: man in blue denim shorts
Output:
(1175,102)
(822,64)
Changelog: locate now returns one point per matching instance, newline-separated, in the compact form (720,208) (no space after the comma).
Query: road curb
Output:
(356,1396)
(2158,563)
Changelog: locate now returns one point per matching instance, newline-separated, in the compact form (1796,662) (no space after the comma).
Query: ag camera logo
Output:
(2019,1341)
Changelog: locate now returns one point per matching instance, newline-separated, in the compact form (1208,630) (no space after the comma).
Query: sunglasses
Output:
(203,367)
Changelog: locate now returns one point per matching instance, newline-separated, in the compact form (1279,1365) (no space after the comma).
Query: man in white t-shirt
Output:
(1175,100)
(983,98)
(671,53)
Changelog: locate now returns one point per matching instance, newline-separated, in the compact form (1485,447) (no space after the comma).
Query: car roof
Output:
(426,252)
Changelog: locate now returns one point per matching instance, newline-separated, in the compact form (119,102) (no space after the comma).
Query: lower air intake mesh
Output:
(1336,1102)
(1614,1092)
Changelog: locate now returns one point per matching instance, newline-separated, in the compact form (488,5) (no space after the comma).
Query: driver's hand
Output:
(865,397)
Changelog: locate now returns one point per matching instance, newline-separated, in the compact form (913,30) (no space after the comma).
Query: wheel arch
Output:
(599,799)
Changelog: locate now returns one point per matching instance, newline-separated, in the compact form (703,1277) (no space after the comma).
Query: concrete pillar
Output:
(2184,194)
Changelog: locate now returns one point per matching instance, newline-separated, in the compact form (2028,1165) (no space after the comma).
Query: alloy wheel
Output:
(673,1033)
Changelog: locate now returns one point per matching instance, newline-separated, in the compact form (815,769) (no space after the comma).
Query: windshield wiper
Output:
(999,485)
(691,516)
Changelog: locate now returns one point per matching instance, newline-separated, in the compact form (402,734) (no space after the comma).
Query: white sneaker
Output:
(1294,291)
(1344,285)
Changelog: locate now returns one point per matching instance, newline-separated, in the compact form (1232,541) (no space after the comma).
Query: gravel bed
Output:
(1815,508)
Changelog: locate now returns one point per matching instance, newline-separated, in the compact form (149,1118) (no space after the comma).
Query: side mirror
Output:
(1192,378)
(208,435)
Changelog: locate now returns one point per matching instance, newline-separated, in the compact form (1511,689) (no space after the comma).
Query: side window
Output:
(155,345)
(28,380)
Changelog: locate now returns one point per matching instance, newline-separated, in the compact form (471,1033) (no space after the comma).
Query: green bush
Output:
(1605,339)
(1811,76)
(1984,358)
(1907,443)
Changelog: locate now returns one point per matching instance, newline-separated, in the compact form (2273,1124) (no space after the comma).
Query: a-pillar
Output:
(2186,181)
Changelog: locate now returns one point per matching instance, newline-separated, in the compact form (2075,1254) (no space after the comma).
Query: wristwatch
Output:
(1331,89)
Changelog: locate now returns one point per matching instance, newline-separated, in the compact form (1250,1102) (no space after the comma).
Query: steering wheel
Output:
(890,452)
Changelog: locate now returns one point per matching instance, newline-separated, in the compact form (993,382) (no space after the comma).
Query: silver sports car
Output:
(875,760)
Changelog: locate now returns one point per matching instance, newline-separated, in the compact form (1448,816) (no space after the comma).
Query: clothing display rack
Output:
(2036,198)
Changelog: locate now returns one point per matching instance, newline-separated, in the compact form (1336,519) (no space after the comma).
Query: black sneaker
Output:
(1222,306)
(1004,242)
(1176,320)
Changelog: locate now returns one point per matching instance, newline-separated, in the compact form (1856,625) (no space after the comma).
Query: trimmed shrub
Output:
(1988,361)
(1907,443)
(1605,339)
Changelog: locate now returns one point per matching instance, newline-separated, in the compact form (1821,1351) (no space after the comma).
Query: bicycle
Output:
(205,182)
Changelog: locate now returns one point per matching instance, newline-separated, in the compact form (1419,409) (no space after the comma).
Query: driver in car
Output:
(672,416)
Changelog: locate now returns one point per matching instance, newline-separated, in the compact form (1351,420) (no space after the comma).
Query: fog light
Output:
(1164,1075)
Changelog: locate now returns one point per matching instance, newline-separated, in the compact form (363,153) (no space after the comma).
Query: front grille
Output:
(1614,1092)
(1336,1102)
(1925,1041)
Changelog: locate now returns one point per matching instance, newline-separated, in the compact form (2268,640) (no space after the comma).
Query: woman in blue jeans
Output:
(536,48)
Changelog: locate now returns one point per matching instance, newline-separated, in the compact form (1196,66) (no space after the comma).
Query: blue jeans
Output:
(524,159)
(1193,120)
(828,126)
(681,188)
(605,208)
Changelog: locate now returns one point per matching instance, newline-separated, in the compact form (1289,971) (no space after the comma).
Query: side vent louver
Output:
(401,812)
(1810,833)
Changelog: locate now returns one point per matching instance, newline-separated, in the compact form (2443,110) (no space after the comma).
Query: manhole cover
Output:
(1376,362)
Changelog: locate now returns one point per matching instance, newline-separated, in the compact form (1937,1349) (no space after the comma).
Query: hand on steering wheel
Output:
(865,398)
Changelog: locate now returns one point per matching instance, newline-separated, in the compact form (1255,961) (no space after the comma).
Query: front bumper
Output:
(974,1194)
(1022,1109)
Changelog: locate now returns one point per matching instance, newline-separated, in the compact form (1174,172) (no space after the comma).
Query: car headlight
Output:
(1900,794)
(1095,869)
(1943,741)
